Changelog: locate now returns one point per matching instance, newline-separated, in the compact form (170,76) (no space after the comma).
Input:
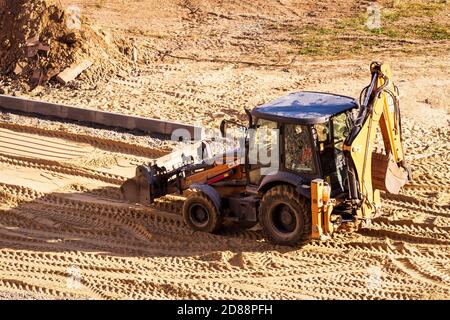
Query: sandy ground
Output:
(64,233)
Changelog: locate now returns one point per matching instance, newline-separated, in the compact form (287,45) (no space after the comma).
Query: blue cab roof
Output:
(305,107)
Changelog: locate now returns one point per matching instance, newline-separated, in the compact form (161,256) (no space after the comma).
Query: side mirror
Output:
(250,118)
(225,123)
(223,128)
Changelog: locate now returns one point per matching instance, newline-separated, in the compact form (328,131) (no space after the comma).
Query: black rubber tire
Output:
(299,211)
(200,201)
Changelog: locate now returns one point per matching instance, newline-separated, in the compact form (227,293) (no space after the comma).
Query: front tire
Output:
(285,216)
(200,213)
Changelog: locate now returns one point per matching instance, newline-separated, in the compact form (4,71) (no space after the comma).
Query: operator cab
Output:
(312,127)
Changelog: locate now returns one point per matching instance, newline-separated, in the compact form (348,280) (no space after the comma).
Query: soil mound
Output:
(40,39)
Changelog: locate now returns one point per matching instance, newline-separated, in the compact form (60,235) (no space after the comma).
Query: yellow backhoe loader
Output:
(322,171)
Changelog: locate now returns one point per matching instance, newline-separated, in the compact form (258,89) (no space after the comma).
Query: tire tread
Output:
(289,194)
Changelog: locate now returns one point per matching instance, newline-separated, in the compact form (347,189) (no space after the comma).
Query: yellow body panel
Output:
(321,208)
(316,208)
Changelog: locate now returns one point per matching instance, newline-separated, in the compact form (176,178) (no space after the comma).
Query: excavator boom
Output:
(369,171)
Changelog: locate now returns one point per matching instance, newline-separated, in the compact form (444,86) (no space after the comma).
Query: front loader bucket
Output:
(136,190)
(130,190)
(386,174)
(144,187)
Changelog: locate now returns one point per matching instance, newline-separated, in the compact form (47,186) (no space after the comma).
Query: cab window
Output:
(340,130)
(264,140)
(263,147)
(298,150)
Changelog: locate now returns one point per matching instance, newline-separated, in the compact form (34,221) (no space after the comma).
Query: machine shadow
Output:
(99,221)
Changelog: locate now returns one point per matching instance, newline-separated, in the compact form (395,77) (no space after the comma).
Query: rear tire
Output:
(285,216)
(200,213)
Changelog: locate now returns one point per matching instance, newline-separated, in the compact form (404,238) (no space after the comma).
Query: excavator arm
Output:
(370,172)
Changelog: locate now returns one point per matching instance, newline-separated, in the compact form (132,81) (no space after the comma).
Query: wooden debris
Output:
(37,77)
(31,52)
(42,47)
(34,46)
(73,71)
(31,42)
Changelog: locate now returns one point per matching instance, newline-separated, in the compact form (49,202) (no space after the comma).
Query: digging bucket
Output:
(386,174)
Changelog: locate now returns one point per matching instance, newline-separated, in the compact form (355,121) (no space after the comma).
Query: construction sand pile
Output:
(40,41)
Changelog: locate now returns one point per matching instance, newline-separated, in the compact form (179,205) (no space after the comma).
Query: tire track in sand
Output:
(128,251)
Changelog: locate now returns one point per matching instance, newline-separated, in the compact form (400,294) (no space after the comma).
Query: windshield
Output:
(298,151)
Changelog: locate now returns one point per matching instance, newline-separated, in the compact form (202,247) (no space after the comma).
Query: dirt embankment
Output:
(40,39)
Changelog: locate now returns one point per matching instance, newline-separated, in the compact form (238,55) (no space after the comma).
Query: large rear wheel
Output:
(200,213)
(285,216)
